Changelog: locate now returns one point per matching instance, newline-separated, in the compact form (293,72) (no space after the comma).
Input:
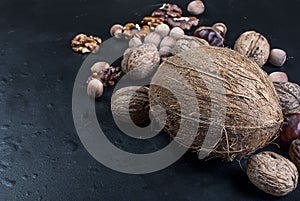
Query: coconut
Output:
(236,111)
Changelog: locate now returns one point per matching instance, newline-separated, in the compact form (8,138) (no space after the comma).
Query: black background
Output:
(41,157)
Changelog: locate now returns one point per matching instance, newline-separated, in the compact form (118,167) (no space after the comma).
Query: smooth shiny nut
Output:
(165,51)
(176,33)
(279,77)
(277,57)
(196,7)
(135,42)
(116,31)
(95,88)
(153,38)
(99,67)
(163,30)
(167,41)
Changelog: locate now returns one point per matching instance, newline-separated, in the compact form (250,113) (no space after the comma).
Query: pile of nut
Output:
(163,34)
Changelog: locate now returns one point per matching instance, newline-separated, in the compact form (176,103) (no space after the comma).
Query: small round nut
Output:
(277,57)
(165,51)
(176,33)
(294,152)
(196,7)
(134,42)
(272,173)
(99,67)
(187,42)
(163,30)
(167,41)
(279,77)
(221,27)
(153,38)
(116,31)
(95,88)
(254,46)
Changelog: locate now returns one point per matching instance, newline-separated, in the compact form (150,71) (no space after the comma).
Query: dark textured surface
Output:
(41,157)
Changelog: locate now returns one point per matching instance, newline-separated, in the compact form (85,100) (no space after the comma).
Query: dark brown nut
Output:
(187,42)
(167,41)
(153,38)
(289,96)
(117,31)
(152,21)
(85,44)
(95,88)
(141,61)
(272,173)
(196,7)
(159,14)
(294,152)
(165,51)
(131,104)
(99,67)
(212,35)
(163,30)
(221,27)
(134,42)
(176,33)
(185,23)
(109,76)
(171,7)
(254,46)
(277,57)
(279,77)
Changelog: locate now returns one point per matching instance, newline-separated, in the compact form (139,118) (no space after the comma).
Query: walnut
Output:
(186,43)
(272,173)
(131,100)
(141,61)
(289,96)
(185,23)
(253,45)
(152,21)
(294,152)
(130,29)
(107,76)
(85,44)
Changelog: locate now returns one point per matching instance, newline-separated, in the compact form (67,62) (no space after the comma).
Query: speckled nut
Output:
(278,77)
(141,61)
(99,67)
(116,31)
(187,42)
(212,35)
(176,33)
(167,41)
(277,57)
(196,7)
(153,38)
(135,42)
(254,46)
(294,152)
(163,30)
(165,51)
(221,27)
(95,88)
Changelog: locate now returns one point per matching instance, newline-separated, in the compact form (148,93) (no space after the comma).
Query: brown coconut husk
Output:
(253,115)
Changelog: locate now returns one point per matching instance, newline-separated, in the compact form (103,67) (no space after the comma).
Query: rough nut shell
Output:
(289,96)
(294,152)
(272,173)
(188,42)
(141,61)
(131,104)
(254,46)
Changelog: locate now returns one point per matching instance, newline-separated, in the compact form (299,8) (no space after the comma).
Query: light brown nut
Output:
(131,104)
(168,41)
(272,173)
(135,42)
(221,27)
(254,46)
(279,77)
(117,31)
(176,33)
(153,38)
(163,30)
(99,67)
(95,88)
(294,152)
(187,42)
(196,7)
(165,51)
(85,44)
(141,61)
(277,57)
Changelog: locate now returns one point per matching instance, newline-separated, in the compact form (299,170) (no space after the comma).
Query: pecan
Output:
(85,44)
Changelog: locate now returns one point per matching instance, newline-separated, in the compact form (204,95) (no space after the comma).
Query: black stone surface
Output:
(41,156)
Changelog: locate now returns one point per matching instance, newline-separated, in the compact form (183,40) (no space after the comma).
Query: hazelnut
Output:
(153,38)
(196,7)
(167,41)
(116,31)
(277,57)
(99,67)
(221,27)
(163,30)
(176,33)
(254,46)
(95,88)
(278,77)
(135,42)
(165,51)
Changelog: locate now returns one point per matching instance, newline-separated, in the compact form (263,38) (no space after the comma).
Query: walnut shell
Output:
(294,152)
(141,61)
(187,42)
(272,173)
(131,100)
(254,46)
